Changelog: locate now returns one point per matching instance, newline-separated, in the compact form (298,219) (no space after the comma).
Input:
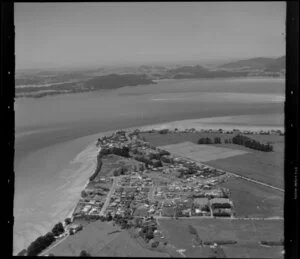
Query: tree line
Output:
(42,242)
(239,140)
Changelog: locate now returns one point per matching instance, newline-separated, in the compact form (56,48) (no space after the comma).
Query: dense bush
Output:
(22,253)
(205,141)
(98,168)
(273,243)
(165,159)
(58,229)
(68,221)
(155,244)
(251,143)
(221,206)
(156,163)
(40,244)
(217,140)
(84,253)
(163,131)
(221,214)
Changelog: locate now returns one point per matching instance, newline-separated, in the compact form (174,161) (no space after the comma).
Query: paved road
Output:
(112,190)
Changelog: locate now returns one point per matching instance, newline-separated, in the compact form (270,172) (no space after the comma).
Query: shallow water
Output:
(47,183)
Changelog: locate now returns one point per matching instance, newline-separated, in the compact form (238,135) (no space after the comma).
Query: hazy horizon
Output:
(85,35)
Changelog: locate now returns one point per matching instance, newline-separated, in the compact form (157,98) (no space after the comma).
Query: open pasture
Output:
(267,167)
(254,200)
(103,239)
(247,233)
(202,153)
(113,162)
(252,251)
(158,139)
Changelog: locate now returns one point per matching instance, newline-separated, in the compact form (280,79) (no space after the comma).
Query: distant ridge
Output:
(263,63)
(113,81)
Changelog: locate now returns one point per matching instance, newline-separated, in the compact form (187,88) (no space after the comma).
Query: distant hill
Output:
(277,65)
(201,72)
(113,81)
(263,63)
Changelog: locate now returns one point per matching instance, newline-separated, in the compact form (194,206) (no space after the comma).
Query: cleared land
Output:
(102,239)
(254,200)
(114,162)
(246,232)
(266,167)
(158,139)
(202,153)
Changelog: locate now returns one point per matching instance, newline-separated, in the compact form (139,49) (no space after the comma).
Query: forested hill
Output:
(113,81)
(263,63)
(202,72)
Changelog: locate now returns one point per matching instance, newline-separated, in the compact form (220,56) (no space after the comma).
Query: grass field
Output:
(125,246)
(157,139)
(202,153)
(246,232)
(113,162)
(102,239)
(254,200)
(266,167)
(252,251)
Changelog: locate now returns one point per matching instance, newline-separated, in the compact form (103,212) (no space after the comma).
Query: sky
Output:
(50,35)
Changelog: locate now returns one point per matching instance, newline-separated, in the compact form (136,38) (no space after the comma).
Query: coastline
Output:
(86,157)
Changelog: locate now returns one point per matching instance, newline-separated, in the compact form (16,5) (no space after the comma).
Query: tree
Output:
(84,253)
(217,140)
(116,172)
(58,229)
(68,221)
(22,253)
(83,194)
(149,234)
(155,244)
(109,217)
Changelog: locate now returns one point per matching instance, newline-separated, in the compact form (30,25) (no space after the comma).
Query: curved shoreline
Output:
(194,123)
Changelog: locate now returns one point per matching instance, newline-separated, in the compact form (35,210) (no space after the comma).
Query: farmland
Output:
(114,162)
(266,167)
(254,200)
(202,153)
(247,233)
(102,239)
